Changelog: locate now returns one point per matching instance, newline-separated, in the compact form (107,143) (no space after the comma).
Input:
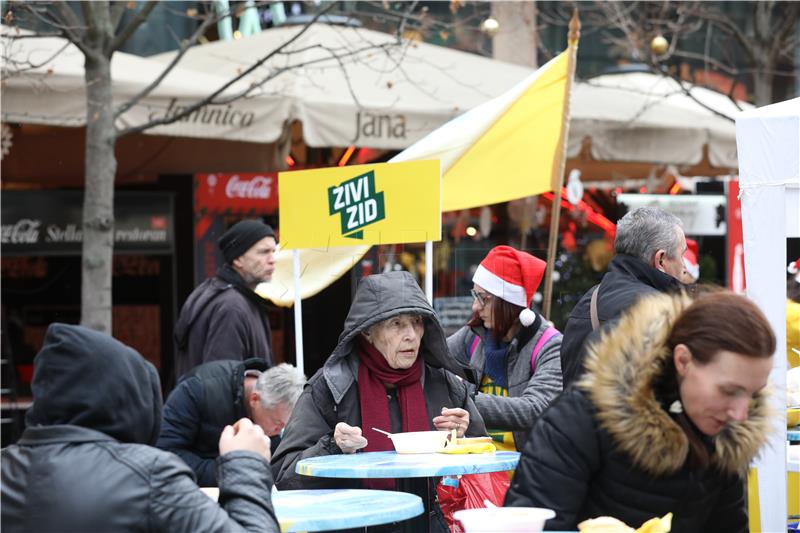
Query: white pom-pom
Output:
(527,317)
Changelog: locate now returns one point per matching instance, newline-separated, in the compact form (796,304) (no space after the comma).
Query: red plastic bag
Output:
(470,493)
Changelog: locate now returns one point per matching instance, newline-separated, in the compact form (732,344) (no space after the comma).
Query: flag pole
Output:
(558,174)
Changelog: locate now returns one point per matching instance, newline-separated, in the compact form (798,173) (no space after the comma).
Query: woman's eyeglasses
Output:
(482,297)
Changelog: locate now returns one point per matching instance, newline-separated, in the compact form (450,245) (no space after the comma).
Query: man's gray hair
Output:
(280,384)
(646,230)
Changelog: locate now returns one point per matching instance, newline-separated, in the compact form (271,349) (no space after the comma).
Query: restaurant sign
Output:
(50,222)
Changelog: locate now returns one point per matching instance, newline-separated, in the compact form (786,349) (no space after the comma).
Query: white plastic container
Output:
(419,441)
(506,519)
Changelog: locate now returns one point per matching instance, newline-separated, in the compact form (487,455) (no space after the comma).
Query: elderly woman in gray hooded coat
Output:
(392,345)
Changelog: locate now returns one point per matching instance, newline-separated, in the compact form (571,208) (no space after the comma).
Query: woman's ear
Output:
(682,357)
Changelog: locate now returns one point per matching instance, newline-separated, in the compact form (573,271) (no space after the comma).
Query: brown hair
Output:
(716,320)
(504,316)
(723,321)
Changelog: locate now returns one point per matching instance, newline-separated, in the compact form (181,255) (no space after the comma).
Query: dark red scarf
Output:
(374,373)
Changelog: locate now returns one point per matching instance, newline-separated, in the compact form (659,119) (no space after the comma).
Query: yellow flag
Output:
(519,154)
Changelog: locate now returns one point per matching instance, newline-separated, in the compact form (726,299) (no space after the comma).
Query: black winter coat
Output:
(209,398)
(609,447)
(221,319)
(628,279)
(84,464)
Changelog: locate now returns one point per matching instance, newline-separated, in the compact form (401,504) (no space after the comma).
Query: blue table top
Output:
(394,465)
(320,510)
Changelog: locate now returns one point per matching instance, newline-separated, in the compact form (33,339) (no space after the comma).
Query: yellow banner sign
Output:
(384,203)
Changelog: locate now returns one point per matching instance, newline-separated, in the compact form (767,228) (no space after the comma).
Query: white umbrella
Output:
(377,92)
(43,83)
(639,116)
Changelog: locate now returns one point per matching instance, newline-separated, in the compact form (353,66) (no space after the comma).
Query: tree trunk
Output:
(516,41)
(763,28)
(98,196)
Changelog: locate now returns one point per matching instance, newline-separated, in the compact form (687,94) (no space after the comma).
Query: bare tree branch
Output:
(208,21)
(211,97)
(138,19)
(118,8)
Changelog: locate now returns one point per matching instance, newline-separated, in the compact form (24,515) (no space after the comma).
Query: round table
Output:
(325,509)
(408,469)
(394,465)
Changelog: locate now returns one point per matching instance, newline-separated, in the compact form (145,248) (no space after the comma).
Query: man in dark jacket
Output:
(219,393)
(84,464)
(224,318)
(649,250)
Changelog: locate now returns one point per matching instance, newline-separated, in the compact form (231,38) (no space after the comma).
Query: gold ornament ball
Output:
(659,45)
(490,26)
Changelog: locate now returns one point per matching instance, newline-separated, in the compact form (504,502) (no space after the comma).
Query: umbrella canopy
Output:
(51,70)
(356,86)
(640,116)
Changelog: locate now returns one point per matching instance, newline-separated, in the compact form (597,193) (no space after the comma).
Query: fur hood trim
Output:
(621,369)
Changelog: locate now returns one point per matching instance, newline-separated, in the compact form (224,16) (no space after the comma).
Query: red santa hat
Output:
(512,276)
(690,259)
(794,269)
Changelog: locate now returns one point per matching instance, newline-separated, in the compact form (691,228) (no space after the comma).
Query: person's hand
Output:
(245,436)
(348,438)
(450,419)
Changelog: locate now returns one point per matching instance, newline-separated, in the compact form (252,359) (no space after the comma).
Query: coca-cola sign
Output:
(45,223)
(242,193)
(256,188)
(23,231)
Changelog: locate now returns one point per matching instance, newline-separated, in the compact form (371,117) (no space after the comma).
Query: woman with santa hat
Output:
(515,350)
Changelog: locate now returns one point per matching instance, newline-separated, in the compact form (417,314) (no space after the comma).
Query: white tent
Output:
(356,86)
(768,140)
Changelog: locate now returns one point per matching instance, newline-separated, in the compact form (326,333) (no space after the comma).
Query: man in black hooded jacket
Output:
(224,318)
(84,464)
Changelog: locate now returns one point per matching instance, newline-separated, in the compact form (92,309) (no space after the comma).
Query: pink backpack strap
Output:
(474,345)
(548,334)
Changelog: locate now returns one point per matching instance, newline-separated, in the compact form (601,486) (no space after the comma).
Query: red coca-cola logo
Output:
(256,188)
(240,193)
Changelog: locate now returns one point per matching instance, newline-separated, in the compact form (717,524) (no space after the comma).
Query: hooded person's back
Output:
(83,462)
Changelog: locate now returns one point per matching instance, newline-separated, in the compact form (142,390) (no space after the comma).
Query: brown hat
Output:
(241,236)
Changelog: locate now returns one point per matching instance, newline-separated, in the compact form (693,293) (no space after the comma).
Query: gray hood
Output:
(378,298)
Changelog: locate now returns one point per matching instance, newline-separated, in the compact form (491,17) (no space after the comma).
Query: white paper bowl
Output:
(506,519)
(419,441)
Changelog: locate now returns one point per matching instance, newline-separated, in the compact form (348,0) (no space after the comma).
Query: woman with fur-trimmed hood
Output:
(668,417)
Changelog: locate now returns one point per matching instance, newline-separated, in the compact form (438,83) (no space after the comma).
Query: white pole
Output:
(298,312)
(429,271)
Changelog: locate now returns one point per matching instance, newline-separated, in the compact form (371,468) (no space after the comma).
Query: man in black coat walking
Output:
(649,250)
(224,318)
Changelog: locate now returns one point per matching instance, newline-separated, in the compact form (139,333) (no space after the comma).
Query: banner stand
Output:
(298,312)
(429,271)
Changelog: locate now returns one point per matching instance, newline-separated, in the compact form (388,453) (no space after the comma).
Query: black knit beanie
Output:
(241,236)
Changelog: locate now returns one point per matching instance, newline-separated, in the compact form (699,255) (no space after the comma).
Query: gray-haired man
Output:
(649,250)
(217,394)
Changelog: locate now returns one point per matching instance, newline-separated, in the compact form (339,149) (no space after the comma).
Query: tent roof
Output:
(399,90)
(640,116)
